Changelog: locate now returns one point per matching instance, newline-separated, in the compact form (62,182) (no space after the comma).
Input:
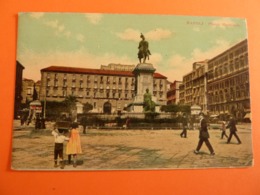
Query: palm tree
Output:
(70,102)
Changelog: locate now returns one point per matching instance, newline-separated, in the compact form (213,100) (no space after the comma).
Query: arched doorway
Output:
(107,108)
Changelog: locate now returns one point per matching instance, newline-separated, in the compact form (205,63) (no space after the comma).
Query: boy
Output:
(59,139)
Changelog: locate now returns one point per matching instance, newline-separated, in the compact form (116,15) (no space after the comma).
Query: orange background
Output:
(208,181)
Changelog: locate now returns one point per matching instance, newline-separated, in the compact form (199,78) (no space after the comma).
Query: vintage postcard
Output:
(131,92)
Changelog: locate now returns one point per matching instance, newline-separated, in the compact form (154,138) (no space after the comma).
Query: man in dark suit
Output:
(184,126)
(233,129)
(204,135)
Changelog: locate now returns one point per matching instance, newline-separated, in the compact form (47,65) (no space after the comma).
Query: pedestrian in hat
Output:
(233,129)
(184,126)
(204,135)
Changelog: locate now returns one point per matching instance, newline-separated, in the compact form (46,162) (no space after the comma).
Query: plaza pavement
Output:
(132,149)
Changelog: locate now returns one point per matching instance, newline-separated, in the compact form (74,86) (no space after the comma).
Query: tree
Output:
(87,107)
(54,109)
(176,108)
(185,108)
(170,108)
(70,102)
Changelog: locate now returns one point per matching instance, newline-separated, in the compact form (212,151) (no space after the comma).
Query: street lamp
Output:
(44,105)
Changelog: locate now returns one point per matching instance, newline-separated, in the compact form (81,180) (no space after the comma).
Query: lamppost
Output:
(118,106)
(195,110)
(45,94)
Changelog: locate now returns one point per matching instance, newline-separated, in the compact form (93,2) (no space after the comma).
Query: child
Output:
(59,139)
(74,145)
(223,129)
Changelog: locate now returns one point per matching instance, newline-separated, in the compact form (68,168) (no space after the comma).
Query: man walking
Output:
(84,123)
(204,136)
(232,127)
(184,125)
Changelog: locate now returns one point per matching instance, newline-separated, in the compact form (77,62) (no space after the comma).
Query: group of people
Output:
(73,146)
(204,134)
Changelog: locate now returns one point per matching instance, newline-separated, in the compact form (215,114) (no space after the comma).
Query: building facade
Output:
(120,67)
(194,86)
(18,88)
(105,89)
(220,86)
(228,82)
(188,88)
(199,83)
(28,87)
(173,94)
(182,93)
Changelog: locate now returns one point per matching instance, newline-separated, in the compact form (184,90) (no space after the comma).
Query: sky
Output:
(91,40)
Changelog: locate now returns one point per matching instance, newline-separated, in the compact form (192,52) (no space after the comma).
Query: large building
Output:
(102,88)
(199,80)
(173,94)
(228,82)
(220,85)
(193,88)
(187,87)
(182,93)
(18,88)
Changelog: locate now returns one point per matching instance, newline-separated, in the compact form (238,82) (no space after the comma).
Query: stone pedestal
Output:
(143,80)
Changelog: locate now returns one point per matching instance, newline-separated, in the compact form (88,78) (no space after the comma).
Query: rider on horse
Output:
(144,51)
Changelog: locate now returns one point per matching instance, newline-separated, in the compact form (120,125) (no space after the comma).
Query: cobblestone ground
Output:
(132,149)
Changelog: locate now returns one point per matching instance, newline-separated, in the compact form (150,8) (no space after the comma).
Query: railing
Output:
(137,121)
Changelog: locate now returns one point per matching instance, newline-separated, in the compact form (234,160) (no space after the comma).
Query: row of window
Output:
(81,84)
(97,94)
(96,79)
(81,77)
(74,88)
(229,56)
(229,107)
(238,95)
(198,73)
(240,80)
(228,68)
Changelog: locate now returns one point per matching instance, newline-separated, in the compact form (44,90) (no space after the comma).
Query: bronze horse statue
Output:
(144,51)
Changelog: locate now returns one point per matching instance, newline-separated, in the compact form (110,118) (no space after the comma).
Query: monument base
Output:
(144,84)
(137,107)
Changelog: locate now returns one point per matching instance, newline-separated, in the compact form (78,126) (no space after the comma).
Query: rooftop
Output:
(65,69)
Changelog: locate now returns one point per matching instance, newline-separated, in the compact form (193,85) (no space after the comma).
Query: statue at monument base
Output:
(149,104)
